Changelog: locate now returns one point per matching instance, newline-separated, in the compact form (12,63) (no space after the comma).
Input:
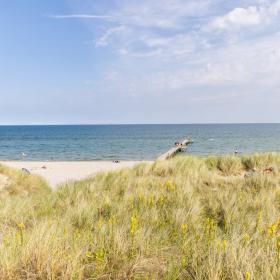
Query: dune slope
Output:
(186,218)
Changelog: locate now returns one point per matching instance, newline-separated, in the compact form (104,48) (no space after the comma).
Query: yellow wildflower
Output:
(100,256)
(184,228)
(184,262)
(111,220)
(225,244)
(133,225)
(20,234)
(248,275)
(89,255)
(272,230)
(170,186)
(20,226)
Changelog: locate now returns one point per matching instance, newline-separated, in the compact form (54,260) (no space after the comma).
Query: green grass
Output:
(186,218)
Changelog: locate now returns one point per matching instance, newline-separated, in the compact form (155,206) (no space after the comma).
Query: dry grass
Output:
(187,218)
(15,182)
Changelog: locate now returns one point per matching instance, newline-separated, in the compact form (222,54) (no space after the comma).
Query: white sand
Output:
(56,173)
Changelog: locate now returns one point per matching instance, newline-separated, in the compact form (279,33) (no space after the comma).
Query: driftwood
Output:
(179,147)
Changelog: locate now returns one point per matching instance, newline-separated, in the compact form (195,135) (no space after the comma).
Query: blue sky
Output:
(131,61)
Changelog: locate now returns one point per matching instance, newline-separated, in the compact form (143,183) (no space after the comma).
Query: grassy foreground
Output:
(187,218)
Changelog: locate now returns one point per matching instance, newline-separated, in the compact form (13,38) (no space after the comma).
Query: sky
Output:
(139,61)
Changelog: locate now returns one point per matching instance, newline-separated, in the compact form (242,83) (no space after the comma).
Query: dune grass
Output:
(186,218)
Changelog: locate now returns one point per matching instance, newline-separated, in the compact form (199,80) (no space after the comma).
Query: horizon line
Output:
(104,124)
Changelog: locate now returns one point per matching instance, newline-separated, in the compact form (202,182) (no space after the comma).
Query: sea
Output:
(132,142)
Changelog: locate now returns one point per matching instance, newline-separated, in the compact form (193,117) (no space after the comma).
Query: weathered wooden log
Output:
(179,147)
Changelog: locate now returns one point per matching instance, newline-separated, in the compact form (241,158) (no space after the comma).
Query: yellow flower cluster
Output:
(209,229)
(222,245)
(89,255)
(100,256)
(184,228)
(274,229)
(19,235)
(133,225)
(20,226)
(274,232)
(171,187)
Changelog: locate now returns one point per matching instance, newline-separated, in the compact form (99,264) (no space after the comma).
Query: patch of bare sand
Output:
(56,173)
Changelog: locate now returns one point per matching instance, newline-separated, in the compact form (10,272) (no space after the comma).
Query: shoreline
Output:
(59,172)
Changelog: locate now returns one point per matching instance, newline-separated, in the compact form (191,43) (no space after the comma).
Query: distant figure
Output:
(177,144)
(26,171)
(236,152)
(116,161)
(23,155)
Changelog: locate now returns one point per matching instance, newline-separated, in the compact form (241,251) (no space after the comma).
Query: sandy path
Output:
(57,173)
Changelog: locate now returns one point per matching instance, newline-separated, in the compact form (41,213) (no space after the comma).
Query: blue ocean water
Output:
(132,142)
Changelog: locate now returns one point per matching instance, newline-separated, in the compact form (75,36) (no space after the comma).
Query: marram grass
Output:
(186,218)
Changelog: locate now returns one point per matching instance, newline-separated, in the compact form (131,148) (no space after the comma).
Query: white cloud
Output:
(247,67)
(171,46)
(239,17)
(255,62)
(186,35)
(247,17)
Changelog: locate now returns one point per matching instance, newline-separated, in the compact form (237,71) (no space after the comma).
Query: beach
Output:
(59,172)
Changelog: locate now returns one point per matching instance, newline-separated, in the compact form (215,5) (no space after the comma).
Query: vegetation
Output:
(186,218)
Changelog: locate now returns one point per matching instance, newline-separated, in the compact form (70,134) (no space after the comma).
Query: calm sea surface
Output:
(132,142)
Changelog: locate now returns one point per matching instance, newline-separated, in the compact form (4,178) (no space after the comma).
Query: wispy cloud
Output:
(111,32)
(152,14)
(81,16)
(177,45)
